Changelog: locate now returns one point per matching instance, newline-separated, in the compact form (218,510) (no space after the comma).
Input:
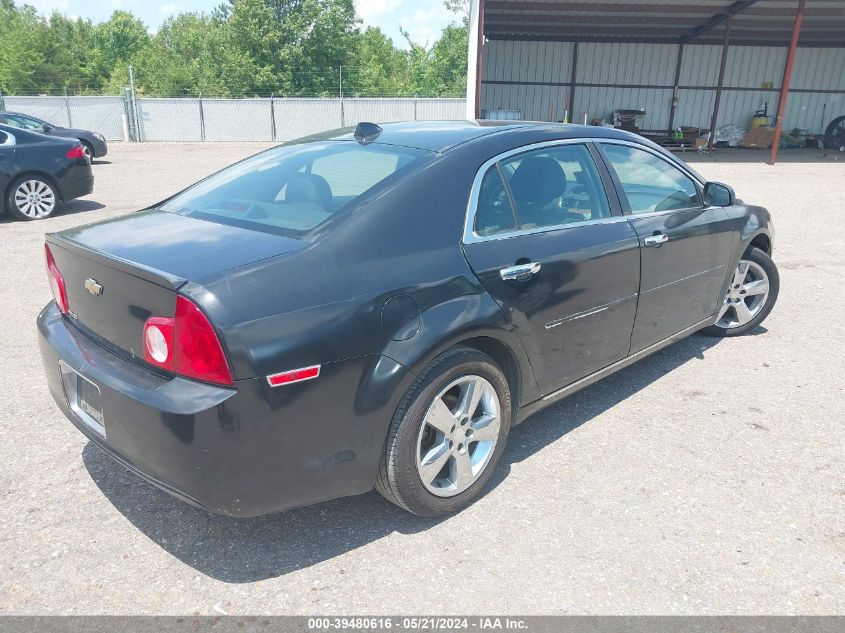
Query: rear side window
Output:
(552,186)
(649,182)
(295,188)
(494,213)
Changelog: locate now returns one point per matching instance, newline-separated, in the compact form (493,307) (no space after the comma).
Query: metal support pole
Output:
(719,85)
(479,58)
(67,109)
(340,82)
(572,78)
(677,89)
(787,79)
(133,103)
(272,119)
(202,119)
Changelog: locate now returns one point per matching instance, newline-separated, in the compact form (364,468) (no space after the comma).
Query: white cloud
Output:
(170,8)
(368,9)
(424,25)
(48,6)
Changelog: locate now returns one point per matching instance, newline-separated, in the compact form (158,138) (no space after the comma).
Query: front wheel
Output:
(750,297)
(447,435)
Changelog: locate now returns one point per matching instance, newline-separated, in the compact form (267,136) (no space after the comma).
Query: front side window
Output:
(650,183)
(548,187)
(294,188)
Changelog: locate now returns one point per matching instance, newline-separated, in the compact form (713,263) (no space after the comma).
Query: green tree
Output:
(191,54)
(20,55)
(297,45)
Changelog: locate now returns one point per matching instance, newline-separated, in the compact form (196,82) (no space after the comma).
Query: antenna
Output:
(366,132)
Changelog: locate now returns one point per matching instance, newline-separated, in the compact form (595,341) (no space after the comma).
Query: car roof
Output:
(441,136)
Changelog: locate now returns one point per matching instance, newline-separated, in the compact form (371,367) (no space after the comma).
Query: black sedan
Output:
(93,143)
(37,172)
(377,307)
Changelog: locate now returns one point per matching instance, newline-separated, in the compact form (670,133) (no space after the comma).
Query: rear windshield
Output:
(294,188)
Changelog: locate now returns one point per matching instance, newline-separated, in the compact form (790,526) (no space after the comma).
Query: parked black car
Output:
(37,172)
(378,308)
(93,143)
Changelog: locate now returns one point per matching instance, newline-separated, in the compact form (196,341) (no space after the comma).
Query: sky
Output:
(423,19)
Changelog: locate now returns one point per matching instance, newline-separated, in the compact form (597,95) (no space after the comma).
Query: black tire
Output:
(765,262)
(834,135)
(17,212)
(399,480)
(88,149)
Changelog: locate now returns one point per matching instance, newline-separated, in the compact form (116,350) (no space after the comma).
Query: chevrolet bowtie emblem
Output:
(92,286)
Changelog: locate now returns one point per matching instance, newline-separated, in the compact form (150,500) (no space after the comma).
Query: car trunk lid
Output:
(120,272)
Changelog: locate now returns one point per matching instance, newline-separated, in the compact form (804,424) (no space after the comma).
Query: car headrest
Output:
(309,188)
(538,180)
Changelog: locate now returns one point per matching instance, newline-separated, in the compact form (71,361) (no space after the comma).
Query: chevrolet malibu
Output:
(377,307)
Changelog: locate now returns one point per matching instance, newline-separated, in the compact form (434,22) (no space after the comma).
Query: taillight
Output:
(186,344)
(57,282)
(76,152)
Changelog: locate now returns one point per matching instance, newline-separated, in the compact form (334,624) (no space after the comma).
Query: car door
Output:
(685,246)
(557,255)
(7,152)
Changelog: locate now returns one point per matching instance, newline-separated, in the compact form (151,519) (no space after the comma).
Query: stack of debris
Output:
(758,138)
(628,120)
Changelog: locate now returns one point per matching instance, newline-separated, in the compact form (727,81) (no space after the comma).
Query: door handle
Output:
(520,272)
(656,240)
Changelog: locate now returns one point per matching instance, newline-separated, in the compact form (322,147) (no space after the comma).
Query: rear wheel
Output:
(750,297)
(31,198)
(447,435)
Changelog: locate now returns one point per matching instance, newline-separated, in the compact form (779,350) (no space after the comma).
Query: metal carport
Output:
(701,63)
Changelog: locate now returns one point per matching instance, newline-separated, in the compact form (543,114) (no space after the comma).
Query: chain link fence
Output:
(220,119)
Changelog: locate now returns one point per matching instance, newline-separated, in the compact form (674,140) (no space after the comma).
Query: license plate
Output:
(84,399)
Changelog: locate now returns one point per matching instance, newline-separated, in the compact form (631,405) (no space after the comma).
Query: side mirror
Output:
(46,127)
(717,194)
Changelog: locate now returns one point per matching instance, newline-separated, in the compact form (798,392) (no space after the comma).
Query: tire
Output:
(88,149)
(734,321)
(431,428)
(834,135)
(31,197)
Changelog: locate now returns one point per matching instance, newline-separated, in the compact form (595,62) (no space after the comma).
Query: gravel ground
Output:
(708,478)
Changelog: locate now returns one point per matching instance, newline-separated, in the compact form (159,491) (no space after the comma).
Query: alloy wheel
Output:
(35,198)
(458,435)
(746,295)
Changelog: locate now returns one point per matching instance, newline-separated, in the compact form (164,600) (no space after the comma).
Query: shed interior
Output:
(697,64)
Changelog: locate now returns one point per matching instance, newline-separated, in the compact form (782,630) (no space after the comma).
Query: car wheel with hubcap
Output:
(750,297)
(447,435)
(31,198)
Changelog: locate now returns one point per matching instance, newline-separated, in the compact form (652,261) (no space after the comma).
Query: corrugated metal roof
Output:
(761,22)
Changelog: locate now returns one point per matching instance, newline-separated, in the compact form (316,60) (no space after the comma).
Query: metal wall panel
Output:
(441,109)
(378,110)
(296,118)
(237,120)
(819,68)
(700,65)
(626,64)
(526,82)
(98,114)
(170,119)
(52,109)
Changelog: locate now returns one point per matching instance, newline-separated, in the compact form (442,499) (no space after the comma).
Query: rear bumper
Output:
(242,451)
(101,148)
(72,188)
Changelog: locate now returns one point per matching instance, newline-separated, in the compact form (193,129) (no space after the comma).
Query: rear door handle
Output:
(520,272)
(656,240)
